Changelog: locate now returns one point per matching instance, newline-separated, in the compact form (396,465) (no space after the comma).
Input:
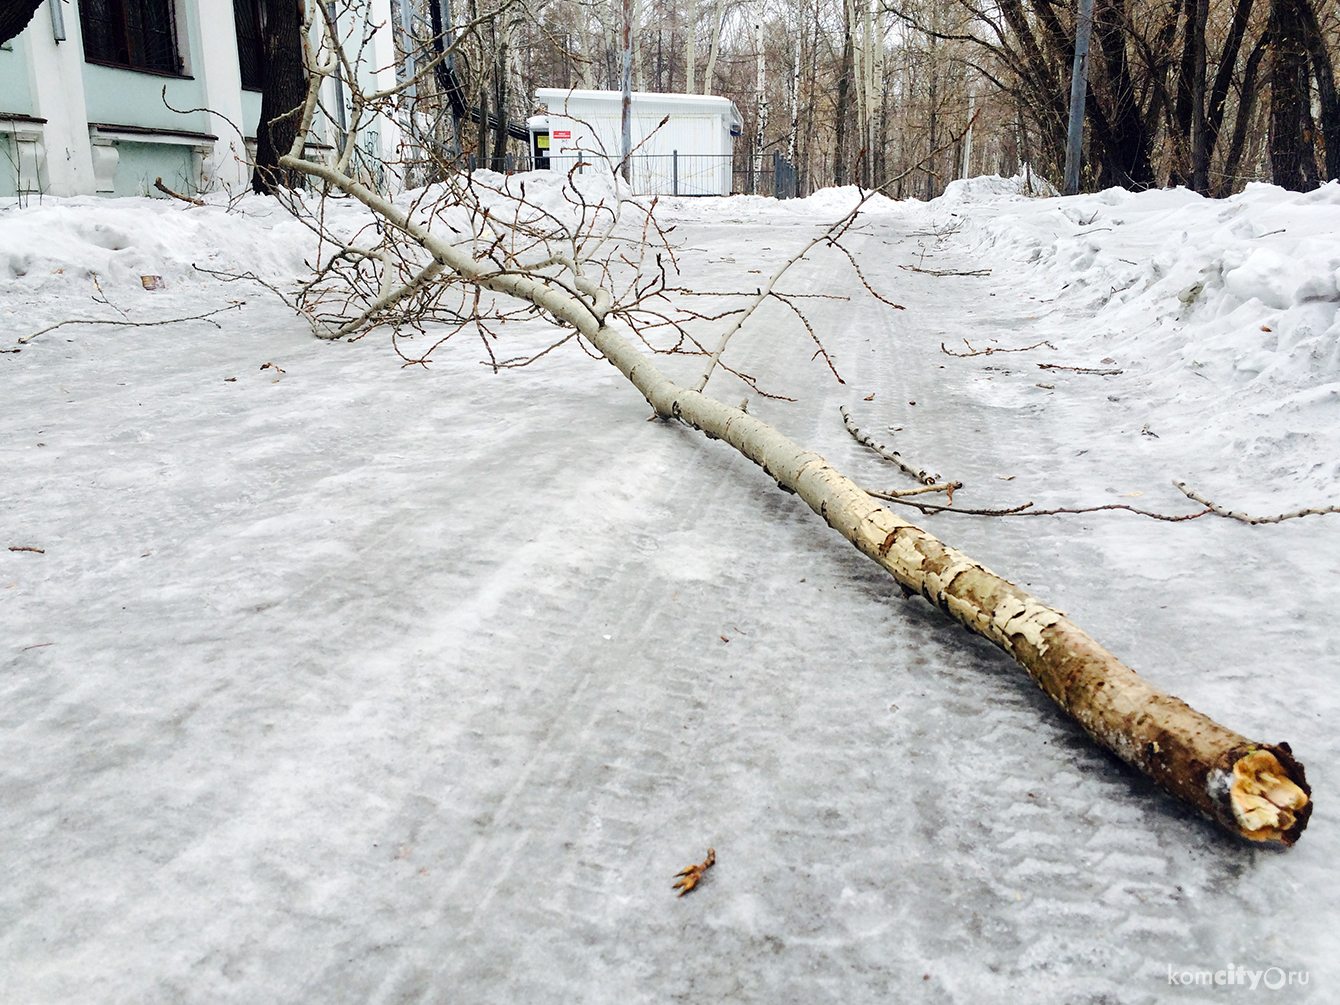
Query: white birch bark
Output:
(640,80)
(795,86)
(719,15)
(691,48)
(857,19)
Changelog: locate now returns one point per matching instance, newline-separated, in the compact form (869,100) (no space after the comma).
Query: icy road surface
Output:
(361,684)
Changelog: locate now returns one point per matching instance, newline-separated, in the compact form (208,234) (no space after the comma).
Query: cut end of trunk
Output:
(1270,796)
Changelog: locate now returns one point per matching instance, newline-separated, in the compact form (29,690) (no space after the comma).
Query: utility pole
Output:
(1079,84)
(627,116)
(967,136)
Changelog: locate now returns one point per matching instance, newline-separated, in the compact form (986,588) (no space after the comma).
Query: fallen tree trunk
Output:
(1256,790)
(1253,789)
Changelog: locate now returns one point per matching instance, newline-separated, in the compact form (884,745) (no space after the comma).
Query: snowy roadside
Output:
(359,683)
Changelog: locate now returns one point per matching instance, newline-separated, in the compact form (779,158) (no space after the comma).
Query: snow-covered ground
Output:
(342,682)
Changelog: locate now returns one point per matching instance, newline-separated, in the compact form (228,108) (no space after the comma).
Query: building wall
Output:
(63,113)
(14,93)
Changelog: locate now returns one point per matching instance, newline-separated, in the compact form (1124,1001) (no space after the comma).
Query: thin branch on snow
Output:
(1217,510)
(1027,509)
(990,351)
(207,316)
(941,273)
(1079,369)
(920,474)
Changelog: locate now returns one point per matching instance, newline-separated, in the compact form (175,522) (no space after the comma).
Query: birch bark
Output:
(718,16)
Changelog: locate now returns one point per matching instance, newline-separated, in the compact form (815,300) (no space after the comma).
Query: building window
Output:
(250,21)
(139,34)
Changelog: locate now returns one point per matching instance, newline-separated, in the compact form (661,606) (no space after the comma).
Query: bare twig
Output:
(135,324)
(920,474)
(158,184)
(24,547)
(1027,509)
(1218,510)
(947,487)
(990,351)
(940,273)
(1079,369)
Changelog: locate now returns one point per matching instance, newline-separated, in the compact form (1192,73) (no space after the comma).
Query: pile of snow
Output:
(1250,284)
(56,245)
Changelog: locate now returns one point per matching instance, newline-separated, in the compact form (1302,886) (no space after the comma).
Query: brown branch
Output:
(134,324)
(988,352)
(1027,509)
(158,184)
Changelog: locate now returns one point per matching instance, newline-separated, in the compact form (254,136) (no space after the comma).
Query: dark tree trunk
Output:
(1045,95)
(1183,109)
(285,90)
(482,139)
(1126,141)
(1289,93)
(1200,165)
(15,15)
(1326,92)
(500,134)
(1223,79)
(1246,105)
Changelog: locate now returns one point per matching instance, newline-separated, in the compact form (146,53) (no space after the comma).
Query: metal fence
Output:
(674,173)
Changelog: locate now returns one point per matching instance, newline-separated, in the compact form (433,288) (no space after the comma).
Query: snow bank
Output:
(1250,283)
(60,244)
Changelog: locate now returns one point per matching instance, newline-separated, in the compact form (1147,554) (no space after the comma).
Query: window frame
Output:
(258,55)
(116,14)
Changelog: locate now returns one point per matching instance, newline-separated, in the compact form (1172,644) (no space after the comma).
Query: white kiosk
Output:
(682,143)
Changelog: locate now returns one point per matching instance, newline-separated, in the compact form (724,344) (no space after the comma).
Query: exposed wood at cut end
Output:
(1267,803)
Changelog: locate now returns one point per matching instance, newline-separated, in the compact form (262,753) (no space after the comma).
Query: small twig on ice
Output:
(1215,508)
(24,547)
(920,474)
(693,873)
(158,184)
(945,272)
(987,352)
(1079,369)
(134,324)
(947,487)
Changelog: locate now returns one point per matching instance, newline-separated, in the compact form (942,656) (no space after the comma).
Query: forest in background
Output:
(915,95)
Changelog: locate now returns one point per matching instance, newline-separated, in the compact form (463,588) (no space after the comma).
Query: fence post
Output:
(472,164)
(674,160)
(509,162)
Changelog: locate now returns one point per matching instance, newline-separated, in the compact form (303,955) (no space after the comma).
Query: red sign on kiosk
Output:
(562,134)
